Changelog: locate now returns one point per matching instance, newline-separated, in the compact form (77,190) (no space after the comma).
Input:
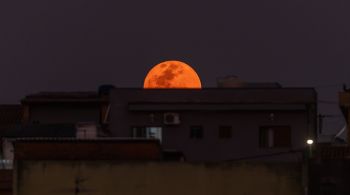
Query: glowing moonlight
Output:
(172,74)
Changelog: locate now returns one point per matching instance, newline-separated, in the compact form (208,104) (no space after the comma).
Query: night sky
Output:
(80,44)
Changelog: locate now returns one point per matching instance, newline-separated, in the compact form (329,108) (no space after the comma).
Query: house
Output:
(64,108)
(218,124)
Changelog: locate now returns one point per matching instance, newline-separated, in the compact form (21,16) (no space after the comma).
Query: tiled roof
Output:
(10,115)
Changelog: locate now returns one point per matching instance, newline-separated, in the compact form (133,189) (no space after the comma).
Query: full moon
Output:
(172,74)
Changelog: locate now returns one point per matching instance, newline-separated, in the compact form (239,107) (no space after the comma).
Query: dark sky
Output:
(79,44)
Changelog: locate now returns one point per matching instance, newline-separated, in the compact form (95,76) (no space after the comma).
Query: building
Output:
(218,124)
(64,108)
(134,166)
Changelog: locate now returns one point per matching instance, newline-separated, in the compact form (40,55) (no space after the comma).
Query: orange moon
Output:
(172,74)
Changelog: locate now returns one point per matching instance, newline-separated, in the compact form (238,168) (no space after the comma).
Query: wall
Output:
(245,133)
(245,137)
(66,113)
(107,178)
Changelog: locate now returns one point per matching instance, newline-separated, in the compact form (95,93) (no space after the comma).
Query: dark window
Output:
(274,137)
(225,132)
(138,132)
(147,132)
(196,132)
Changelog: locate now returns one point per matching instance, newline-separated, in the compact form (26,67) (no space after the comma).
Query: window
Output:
(196,132)
(147,132)
(225,132)
(274,136)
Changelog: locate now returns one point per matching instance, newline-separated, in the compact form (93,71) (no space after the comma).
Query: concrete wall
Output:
(107,178)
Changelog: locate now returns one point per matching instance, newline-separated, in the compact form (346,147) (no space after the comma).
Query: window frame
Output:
(225,132)
(196,132)
(146,132)
(275,132)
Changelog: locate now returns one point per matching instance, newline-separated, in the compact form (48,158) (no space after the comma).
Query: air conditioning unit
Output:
(171,118)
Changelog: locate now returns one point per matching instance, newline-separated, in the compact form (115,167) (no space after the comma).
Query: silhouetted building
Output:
(219,124)
(64,107)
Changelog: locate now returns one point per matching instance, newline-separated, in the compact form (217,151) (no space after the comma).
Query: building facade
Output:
(219,124)
(64,108)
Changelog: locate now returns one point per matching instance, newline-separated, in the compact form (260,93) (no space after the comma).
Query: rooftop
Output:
(217,95)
